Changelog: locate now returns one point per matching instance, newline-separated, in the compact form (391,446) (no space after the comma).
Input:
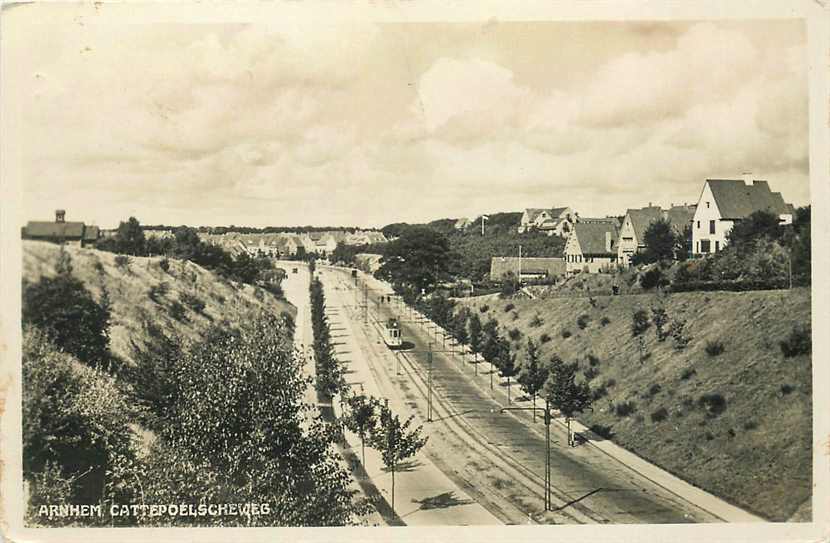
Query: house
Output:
(73,233)
(526,267)
(724,202)
(557,221)
(637,221)
(462,223)
(591,247)
(368,262)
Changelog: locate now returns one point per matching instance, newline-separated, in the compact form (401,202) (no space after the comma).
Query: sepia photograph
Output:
(320,265)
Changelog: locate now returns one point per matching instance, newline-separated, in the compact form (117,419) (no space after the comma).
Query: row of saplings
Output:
(369,418)
(554,382)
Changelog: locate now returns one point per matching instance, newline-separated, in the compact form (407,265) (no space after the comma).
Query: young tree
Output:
(459,329)
(475,335)
(361,419)
(491,346)
(395,440)
(507,363)
(130,237)
(533,375)
(563,393)
(660,241)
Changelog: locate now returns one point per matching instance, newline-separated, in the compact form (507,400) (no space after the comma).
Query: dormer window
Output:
(707,205)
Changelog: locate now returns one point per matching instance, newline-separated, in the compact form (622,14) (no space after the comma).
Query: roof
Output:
(66,230)
(591,237)
(533,212)
(642,218)
(737,200)
(680,216)
(91,233)
(556,211)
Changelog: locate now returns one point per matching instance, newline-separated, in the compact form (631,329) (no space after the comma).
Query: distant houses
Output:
(292,245)
(74,233)
(556,221)
(724,202)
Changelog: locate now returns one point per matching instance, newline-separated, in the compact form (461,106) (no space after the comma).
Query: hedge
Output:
(734,286)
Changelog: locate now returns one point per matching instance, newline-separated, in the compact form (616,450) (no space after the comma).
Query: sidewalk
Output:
(655,474)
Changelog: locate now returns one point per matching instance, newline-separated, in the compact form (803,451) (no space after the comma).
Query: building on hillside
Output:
(462,223)
(366,237)
(556,221)
(724,202)
(591,247)
(368,262)
(526,268)
(73,233)
(637,221)
(600,220)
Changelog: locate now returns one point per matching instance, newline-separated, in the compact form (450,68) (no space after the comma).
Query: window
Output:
(711,227)
(698,225)
(697,247)
(707,204)
(717,246)
(704,246)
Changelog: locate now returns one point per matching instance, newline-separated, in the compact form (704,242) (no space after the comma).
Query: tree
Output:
(660,241)
(491,346)
(395,440)
(130,237)
(361,419)
(533,375)
(475,335)
(459,329)
(507,363)
(417,259)
(760,224)
(563,393)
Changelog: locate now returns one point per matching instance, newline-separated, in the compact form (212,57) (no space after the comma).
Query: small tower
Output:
(60,215)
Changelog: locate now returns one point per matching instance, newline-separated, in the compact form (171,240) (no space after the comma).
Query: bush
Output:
(164,264)
(654,389)
(582,321)
(509,307)
(178,312)
(610,383)
(514,316)
(714,403)
(602,430)
(786,389)
(192,301)
(599,392)
(714,348)
(742,285)
(660,415)
(544,338)
(484,309)
(536,321)
(677,332)
(590,373)
(660,318)
(625,409)
(687,373)
(605,321)
(593,360)
(639,323)
(798,342)
(156,291)
(750,425)
(653,278)
(123,262)
(566,334)
(514,334)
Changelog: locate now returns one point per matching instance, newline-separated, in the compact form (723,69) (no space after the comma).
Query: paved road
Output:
(589,485)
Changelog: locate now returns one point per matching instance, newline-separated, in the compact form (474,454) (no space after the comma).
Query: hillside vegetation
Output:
(154,381)
(728,412)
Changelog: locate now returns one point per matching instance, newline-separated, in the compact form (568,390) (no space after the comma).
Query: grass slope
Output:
(757,452)
(129,293)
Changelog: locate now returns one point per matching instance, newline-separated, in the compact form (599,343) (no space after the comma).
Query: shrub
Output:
(123,262)
(653,278)
(605,321)
(602,430)
(654,389)
(709,436)
(639,323)
(157,291)
(660,415)
(515,315)
(593,360)
(660,318)
(599,392)
(164,264)
(99,267)
(544,338)
(536,322)
(610,383)
(193,302)
(714,348)
(750,425)
(178,312)
(590,373)
(582,321)
(714,403)
(484,309)
(625,409)
(786,389)
(514,334)
(677,332)
(566,334)
(509,307)
(687,373)
(797,342)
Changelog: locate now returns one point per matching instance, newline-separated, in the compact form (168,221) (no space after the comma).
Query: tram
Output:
(392,336)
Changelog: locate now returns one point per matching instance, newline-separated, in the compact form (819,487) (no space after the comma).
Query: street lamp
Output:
(429,375)
(546,411)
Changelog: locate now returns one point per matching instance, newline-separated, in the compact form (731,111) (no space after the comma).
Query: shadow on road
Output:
(440,501)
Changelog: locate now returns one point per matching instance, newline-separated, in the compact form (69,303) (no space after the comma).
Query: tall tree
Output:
(563,393)
(395,440)
(507,363)
(130,237)
(418,258)
(760,224)
(491,346)
(533,375)
(460,328)
(660,241)
(361,419)
(475,335)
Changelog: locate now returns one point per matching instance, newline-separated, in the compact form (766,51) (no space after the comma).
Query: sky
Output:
(366,124)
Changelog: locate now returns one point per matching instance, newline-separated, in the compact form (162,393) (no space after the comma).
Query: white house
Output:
(591,247)
(557,221)
(723,202)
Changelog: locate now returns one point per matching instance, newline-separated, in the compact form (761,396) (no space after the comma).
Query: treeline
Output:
(224,412)
(554,382)
(346,253)
(185,244)
(263,230)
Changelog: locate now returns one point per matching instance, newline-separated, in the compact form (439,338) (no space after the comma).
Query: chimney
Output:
(747,177)
(60,215)
(609,243)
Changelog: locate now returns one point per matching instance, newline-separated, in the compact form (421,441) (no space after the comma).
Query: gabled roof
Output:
(680,216)
(591,237)
(533,212)
(65,230)
(641,218)
(737,200)
(557,211)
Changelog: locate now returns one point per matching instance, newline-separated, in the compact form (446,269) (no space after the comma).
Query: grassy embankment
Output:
(754,448)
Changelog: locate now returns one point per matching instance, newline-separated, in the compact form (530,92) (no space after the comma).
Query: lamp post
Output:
(546,411)
(429,354)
